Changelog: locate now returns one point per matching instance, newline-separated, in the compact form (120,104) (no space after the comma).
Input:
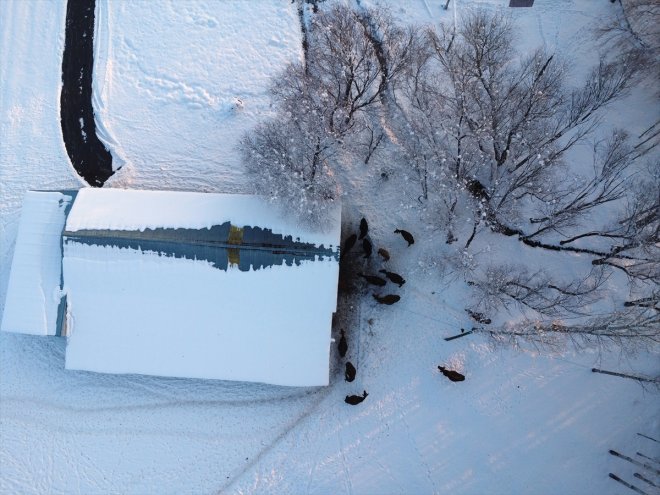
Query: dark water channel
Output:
(88,155)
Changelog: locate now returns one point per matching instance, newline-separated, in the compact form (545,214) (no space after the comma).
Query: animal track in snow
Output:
(172,90)
(162,87)
(203,20)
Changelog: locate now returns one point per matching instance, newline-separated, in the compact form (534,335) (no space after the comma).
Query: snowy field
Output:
(168,77)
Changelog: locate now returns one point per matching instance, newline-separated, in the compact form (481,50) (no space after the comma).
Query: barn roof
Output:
(33,301)
(131,210)
(196,285)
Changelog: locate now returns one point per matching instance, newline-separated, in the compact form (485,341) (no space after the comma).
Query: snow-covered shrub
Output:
(323,109)
(289,164)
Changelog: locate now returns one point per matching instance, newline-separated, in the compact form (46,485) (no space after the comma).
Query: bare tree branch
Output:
(629,330)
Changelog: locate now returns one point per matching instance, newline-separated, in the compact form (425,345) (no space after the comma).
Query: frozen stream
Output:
(88,155)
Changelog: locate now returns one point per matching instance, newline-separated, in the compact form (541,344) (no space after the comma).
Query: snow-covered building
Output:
(176,284)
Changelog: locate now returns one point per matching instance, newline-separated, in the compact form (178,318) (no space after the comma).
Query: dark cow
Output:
(406,235)
(343,345)
(394,277)
(478,317)
(388,299)
(477,189)
(348,244)
(454,376)
(354,400)
(367,247)
(373,279)
(349,373)
(364,228)
(384,253)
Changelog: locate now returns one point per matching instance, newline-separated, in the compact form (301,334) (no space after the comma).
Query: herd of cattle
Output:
(389,299)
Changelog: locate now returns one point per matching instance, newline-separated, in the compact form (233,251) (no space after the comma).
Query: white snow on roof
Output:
(138,312)
(123,209)
(33,293)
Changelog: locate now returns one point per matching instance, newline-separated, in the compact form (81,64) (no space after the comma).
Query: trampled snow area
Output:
(166,76)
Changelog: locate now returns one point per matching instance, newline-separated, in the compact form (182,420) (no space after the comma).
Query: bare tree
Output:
(372,141)
(634,29)
(352,57)
(636,250)
(534,292)
(494,128)
(565,208)
(289,160)
(500,124)
(293,157)
(630,330)
(486,132)
(326,107)
(419,121)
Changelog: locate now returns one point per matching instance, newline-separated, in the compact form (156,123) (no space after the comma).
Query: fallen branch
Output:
(459,335)
(623,375)
(633,461)
(646,480)
(625,483)
(650,438)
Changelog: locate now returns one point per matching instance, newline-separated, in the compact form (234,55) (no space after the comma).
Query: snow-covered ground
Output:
(167,77)
(176,85)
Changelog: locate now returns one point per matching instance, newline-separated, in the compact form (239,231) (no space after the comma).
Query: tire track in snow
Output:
(322,395)
(450,313)
(541,33)
(345,464)
(18,400)
(281,436)
(415,447)
(93,430)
